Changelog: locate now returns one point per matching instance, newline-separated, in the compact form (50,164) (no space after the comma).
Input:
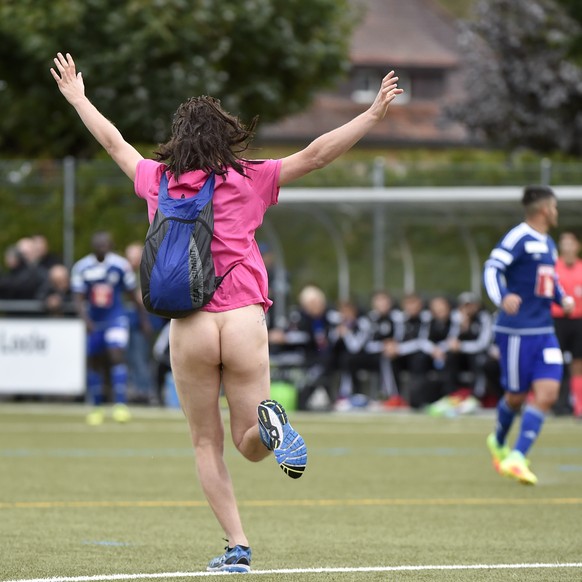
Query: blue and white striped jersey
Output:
(103,284)
(523,262)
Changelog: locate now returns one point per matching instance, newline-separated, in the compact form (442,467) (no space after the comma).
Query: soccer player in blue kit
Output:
(99,282)
(520,279)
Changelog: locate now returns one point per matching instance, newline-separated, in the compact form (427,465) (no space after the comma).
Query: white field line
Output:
(151,576)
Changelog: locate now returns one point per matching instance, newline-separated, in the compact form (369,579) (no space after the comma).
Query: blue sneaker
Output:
(237,559)
(281,438)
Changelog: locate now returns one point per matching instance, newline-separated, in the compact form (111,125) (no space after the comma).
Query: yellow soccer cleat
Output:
(121,413)
(516,467)
(95,417)
(498,452)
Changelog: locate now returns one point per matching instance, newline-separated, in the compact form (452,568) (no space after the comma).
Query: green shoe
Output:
(120,413)
(516,466)
(498,452)
(95,417)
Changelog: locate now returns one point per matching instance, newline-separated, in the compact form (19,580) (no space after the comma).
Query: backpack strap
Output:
(163,189)
(183,207)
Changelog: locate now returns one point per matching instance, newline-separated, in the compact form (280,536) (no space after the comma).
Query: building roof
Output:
(414,123)
(411,35)
(404,33)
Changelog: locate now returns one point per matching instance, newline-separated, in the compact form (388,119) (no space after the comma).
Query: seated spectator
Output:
(468,354)
(348,340)
(407,352)
(371,358)
(308,336)
(443,329)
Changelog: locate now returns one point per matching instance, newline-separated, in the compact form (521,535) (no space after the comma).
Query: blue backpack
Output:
(177,270)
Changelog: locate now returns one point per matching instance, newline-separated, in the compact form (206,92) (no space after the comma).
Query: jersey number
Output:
(545,281)
(102,295)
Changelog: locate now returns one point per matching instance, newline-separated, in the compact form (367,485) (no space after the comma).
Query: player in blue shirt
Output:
(520,279)
(99,282)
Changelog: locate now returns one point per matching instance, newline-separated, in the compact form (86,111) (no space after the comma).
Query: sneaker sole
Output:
(272,422)
(293,449)
(273,419)
(241,569)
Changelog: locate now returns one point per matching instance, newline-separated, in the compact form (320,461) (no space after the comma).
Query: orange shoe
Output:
(395,401)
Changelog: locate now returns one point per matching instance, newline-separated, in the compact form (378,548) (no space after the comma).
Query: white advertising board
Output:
(42,356)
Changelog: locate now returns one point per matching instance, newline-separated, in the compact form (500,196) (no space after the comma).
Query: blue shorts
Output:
(527,358)
(108,335)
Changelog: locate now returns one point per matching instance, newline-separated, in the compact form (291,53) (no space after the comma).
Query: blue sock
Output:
(531,425)
(95,387)
(119,383)
(505,416)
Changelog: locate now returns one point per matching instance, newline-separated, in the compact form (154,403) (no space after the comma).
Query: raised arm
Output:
(326,148)
(72,87)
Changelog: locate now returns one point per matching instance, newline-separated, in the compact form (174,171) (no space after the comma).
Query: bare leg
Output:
(196,358)
(246,378)
(546,393)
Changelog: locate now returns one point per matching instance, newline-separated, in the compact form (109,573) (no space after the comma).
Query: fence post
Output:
(545,171)
(69,211)
(378,172)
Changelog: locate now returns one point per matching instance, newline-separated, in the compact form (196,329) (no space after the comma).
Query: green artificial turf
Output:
(381,490)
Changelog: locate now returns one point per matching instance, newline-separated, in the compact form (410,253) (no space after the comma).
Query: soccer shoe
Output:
(237,559)
(95,417)
(498,452)
(120,413)
(280,437)
(515,465)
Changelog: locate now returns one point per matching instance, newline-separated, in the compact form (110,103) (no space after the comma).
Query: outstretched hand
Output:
(388,91)
(68,80)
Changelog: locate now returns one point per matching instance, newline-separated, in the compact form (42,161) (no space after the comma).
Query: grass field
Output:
(381,493)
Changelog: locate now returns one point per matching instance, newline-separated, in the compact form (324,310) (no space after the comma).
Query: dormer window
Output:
(366,83)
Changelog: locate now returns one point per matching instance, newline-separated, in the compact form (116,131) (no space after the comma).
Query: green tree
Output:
(141,58)
(523,81)
(574,9)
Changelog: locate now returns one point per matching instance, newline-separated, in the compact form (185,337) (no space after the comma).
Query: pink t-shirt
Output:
(239,206)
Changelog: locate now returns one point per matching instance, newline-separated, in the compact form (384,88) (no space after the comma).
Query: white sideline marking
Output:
(301,571)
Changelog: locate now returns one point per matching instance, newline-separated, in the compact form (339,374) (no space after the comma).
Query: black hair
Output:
(534,194)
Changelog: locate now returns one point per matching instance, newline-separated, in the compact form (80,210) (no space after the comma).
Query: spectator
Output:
(407,352)
(279,286)
(380,333)
(569,327)
(56,293)
(443,330)
(45,259)
(309,335)
(13,263)
(468,353)
(23,278)
(348,340)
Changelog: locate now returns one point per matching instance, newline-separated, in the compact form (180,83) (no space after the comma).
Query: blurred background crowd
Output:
(394,354)
(417,351)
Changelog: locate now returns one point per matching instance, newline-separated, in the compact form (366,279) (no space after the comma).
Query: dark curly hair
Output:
(205,137)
